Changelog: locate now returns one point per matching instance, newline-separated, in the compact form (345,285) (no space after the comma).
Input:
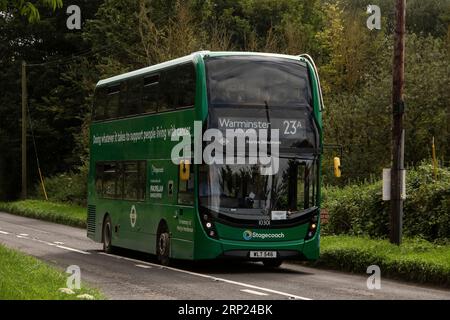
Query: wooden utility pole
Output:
(397,124)
(24,130)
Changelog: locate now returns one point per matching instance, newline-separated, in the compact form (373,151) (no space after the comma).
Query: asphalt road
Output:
(131,275)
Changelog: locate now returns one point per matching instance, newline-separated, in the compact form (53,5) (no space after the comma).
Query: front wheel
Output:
(273,263)
(107,236)
(163,250)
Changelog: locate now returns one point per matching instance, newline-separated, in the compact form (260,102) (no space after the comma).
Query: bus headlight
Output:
(312,228)
(208,224)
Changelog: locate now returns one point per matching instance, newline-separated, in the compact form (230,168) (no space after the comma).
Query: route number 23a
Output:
(291,126)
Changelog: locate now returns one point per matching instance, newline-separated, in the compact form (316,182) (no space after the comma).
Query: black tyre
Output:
(107,235)
(272,263)
(163,246)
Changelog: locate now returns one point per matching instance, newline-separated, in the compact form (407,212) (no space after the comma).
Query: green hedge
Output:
(69,214)
(359,210)
(415,260)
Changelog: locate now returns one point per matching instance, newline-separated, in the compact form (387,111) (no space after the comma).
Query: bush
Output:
(66,187)
(359,210)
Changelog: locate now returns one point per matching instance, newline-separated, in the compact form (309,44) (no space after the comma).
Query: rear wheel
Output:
(272,263)
(163,247)
(107,235)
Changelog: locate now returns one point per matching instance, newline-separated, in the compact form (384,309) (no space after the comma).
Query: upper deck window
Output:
(257,80)
(165,90)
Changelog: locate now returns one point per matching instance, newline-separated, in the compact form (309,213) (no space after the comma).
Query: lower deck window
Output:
(121,180)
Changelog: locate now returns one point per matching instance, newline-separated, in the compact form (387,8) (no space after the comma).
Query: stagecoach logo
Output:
(133,216)
(248,235)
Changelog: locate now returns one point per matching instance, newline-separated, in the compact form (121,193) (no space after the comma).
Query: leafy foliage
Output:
(69,187)
(59,92)
(357,83)
(359,209)
(27,8)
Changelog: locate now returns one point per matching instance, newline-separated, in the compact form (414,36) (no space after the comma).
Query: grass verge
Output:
(23,277)
(62,213)
(415,260)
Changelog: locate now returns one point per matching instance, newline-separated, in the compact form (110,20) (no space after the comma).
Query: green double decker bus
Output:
(141,198)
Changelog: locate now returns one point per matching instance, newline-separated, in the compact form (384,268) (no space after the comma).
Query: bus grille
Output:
(91,219)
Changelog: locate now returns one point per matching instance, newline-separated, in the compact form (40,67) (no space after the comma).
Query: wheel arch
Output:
(162,225)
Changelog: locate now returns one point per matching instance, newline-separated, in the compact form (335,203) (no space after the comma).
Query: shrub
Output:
(66,187)
(359,210)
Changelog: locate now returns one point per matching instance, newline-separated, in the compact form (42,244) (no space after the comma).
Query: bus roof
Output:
(188,58)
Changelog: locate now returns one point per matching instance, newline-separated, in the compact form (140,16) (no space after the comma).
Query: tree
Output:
(56,102)
(27,8)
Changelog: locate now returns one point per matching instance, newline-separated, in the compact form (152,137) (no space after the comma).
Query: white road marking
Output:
(254,292)
(246,285)
(61,247)
(55,244)
(72,249)
(44,242)
(143,266)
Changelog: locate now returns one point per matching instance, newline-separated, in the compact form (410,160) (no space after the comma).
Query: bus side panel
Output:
(123,236)
(163,193)
(182,245)
(134,230)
